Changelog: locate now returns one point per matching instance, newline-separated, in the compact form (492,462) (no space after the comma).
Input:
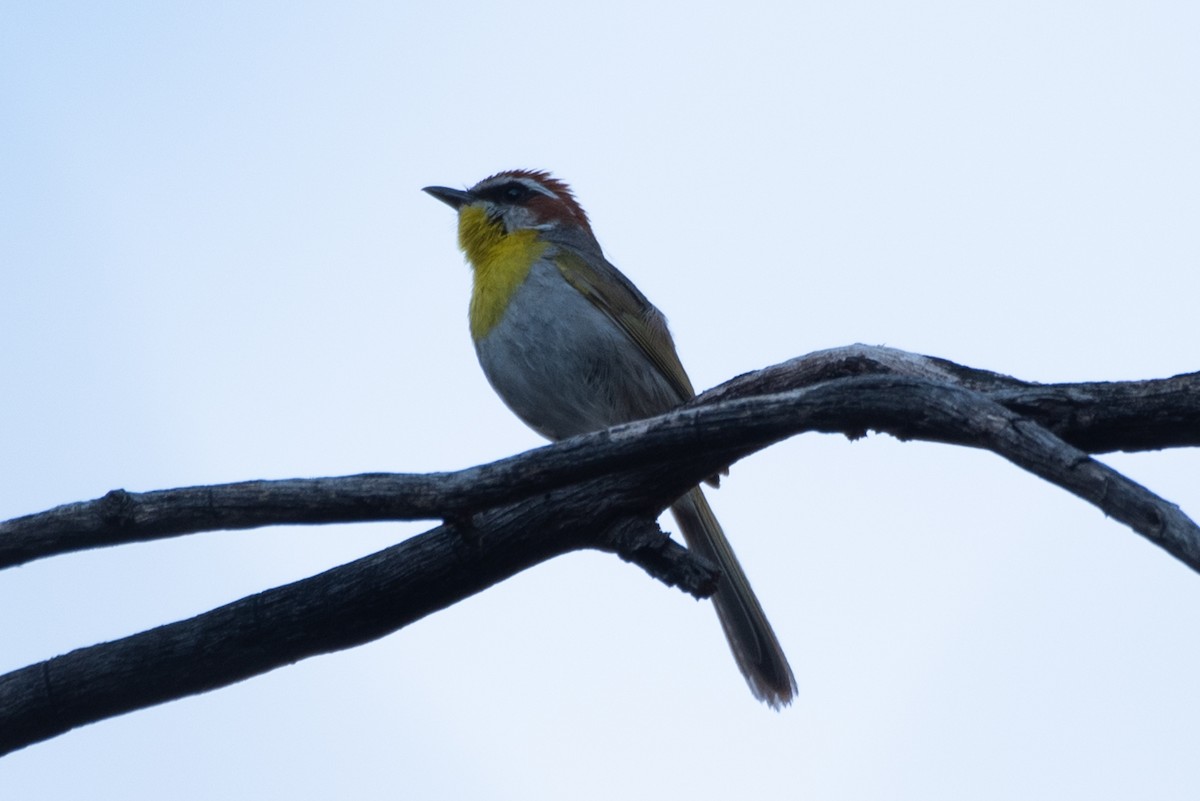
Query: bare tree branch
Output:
(346,606)
(602,490)
(1095,417)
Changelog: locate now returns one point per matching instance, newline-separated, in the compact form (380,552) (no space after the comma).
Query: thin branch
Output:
(1096,417)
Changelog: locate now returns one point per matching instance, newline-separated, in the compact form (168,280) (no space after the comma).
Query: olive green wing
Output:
(615,295)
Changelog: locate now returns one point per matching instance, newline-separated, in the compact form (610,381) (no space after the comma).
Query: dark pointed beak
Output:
(454,198)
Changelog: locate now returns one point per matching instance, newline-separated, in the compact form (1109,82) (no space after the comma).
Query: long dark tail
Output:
(754,645)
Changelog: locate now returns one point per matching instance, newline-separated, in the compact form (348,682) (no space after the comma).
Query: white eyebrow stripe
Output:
(537,186)
(530,183)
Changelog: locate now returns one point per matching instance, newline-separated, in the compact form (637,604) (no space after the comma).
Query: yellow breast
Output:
(501,262)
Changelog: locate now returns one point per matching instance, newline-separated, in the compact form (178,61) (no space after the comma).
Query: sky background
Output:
(216,264)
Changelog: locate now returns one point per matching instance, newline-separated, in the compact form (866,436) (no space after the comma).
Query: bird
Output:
(572,346)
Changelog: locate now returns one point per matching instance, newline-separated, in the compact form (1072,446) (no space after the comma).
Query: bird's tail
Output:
(754,645)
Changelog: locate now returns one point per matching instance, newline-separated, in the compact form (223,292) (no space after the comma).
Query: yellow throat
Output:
(501,262)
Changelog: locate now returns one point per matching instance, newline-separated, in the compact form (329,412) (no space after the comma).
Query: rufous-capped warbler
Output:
(572,346)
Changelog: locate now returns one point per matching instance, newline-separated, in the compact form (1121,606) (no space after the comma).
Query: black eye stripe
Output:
(508,192)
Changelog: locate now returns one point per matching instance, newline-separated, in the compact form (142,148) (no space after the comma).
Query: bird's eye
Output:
(516,192)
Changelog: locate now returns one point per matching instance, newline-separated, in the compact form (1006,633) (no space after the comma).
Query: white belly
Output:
(563,366)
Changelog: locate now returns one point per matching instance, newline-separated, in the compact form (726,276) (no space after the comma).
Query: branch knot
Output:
(640,541)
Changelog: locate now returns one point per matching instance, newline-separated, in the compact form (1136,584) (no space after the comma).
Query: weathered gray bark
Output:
(602,490)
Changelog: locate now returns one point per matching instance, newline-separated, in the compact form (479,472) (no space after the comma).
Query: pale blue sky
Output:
(216,264)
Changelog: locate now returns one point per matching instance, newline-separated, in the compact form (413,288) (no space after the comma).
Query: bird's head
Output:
(529,204)
(517,200)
